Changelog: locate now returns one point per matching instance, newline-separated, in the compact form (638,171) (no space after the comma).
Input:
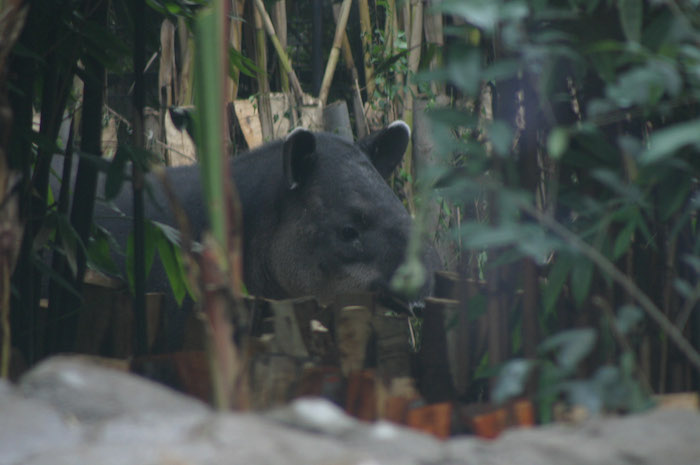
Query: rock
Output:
(316,415)
(94,393)
(390,443)
(382,440)
(28,426)
(67,411)
(655,438)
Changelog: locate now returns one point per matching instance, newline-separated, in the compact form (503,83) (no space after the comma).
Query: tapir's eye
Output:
(348,233)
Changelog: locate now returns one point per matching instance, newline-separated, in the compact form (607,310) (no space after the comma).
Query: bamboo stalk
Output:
(139,51)
(366,31)
(335,51)
(220,268)
(358,107)
(607,267)
(6,349)
(414,44)
(434,36)
(264,108)
(12,19)
(166,70)
(236,41)
(279,18)
(86,178)
(284,59)
(186,50)
(389,27)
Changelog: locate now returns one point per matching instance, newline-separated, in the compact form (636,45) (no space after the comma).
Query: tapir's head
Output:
(341,227)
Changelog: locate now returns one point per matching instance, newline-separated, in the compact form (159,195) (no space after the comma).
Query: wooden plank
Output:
(353,317)
(361,401)
(288,339)
(435,379)
(186,372)
(273,380)
(393,351)
(322,381)
(435,419)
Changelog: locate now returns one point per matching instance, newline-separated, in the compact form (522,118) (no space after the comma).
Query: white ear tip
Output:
(401,123)
(296,130)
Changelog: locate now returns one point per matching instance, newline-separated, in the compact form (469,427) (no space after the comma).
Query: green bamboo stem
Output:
(279,14)
(366,30)
(284,59)
(335,51)
(235,41)
(264,106)
(414,44)
(607,267)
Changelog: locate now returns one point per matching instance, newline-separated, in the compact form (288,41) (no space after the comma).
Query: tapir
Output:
(318,216)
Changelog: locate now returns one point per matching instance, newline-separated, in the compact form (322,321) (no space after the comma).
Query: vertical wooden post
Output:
(335,51)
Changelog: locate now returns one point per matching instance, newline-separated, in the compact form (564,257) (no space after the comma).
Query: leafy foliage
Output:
(578,120)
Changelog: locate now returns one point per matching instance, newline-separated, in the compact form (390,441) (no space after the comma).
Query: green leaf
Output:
(624,238)
(549,388)
(627,318)
(673,192)
(581,278)
(614,182)
(584,393)
(99,253)
(684,288)
(167,254)
(557,142)
(644,85)
(177,278)
(172,234)
(244,64)
(482,236)
(481,13)
(385,65)
(101,43)
(631,12)
(570,347)
(501,137)
(502,69)
(150,239)
(464,70)
(40,264)
(69,242)
(664,142)
(512,379)
(556,279)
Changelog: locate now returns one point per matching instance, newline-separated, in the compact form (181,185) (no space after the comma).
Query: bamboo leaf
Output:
(624,238)
(664,142)
(167,255)
(557,142)
(99,251)
(627,318)
(150,238)
(581,278)
(555,281)
(242,63)
(69,242)
(631,12)
(512,379)
(570,347)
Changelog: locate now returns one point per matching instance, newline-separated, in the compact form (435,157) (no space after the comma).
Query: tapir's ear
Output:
(298,154)
(387,146)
